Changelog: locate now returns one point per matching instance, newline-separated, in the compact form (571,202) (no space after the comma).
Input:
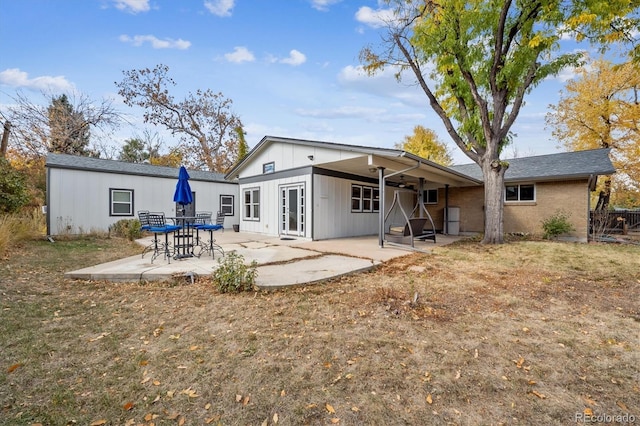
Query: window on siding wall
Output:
(365,199)
(356,198)
(120,202)
(226,204)
(252,204)
(520,192)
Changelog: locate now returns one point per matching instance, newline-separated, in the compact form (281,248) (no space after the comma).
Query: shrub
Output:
(233,275)
(556,224)
(13,189)
(126,228)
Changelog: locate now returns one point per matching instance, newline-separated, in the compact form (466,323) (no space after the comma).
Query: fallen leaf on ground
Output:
(538,394)
(588,412)
(207,406)
(13,368)
(191,393)
(246,399)
(99,422)
(275,418)
(128,406)
(238,397)
(330,409)
(429,399)
(173,416)
(335,420)
(519,362)
(99,337)
(622,405)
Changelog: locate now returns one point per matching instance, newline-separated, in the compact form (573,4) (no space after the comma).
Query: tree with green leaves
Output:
(243,147)
(476,60)
(204,120)
(426,144)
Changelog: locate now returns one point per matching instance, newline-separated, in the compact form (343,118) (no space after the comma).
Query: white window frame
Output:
(230,205)
(113,202)
(253,204)
(518,187)
(357,198)
(426,196)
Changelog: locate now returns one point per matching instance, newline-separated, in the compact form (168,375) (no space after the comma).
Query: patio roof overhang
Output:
(402,166)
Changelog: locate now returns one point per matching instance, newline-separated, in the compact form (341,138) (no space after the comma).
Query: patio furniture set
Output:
(182,236)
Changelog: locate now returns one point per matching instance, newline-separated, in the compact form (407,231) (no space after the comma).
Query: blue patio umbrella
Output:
(183,189)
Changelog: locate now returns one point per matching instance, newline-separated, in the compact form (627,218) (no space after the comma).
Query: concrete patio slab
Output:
(281,262)
(309,271)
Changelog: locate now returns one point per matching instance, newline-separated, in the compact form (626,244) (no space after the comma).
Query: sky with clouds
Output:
(290,67)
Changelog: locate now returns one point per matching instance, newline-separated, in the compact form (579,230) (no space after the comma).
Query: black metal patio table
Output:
(183,238)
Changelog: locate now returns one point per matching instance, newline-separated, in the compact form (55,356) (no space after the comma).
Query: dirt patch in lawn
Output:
(522,333)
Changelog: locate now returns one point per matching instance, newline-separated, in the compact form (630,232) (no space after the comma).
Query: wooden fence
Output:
(622,221)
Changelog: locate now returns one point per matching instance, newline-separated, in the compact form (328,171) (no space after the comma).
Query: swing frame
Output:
(413,228)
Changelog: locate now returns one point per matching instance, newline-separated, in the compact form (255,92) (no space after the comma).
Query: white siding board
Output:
(289,156)
(79,199)
(333,217)
(269,223)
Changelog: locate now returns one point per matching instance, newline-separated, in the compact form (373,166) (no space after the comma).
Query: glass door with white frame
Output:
(292,210)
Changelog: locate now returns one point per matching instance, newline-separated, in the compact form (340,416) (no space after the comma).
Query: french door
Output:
(292,210)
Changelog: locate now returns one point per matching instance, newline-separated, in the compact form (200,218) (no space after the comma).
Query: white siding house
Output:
(91,194)
(321,190)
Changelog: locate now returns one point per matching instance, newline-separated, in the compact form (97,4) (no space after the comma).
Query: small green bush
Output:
(13,189)
(556,224)
(126,228)
(233,276)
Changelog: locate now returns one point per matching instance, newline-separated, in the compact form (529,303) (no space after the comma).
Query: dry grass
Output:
(16,228)
(523,333)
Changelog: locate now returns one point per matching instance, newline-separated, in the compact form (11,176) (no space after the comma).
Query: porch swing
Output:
(401,228)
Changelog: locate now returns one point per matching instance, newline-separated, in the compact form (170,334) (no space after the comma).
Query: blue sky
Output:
(290,67)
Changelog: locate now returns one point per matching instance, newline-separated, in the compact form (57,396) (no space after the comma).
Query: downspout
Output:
(446,209)
(381,206)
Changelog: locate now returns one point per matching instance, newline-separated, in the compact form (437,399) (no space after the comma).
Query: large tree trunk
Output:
(493,172)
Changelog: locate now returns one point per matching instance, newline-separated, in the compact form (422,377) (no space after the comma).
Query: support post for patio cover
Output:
(381,207)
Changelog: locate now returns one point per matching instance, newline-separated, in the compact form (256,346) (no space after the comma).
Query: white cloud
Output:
(374,18)
(295,58)
(342,112)
(133,6)
(156,43)
(323,5)
(220,7)
(15,78)
(240,54)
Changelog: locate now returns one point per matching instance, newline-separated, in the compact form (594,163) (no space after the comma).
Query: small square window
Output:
(431,196)
(120,202)
(226,205)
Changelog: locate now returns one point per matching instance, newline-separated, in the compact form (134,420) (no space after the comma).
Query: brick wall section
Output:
(570,196)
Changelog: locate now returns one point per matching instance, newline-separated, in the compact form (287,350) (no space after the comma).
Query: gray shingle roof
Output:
(564,165)
(112,166)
